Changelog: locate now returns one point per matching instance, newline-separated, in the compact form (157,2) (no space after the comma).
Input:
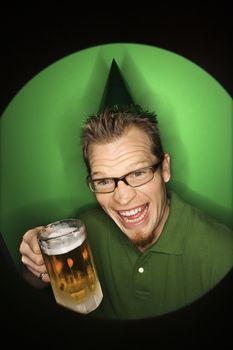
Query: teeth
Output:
(129,215)
(131,212)
(138,219)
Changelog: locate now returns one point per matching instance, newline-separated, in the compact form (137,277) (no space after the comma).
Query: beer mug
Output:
(69,262)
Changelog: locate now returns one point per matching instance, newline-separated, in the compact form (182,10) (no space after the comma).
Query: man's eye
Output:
(103,182)
(138,173)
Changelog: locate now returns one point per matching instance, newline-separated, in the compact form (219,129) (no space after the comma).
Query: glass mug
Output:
(70,266)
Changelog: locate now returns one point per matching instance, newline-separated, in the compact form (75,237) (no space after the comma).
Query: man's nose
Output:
(123,193)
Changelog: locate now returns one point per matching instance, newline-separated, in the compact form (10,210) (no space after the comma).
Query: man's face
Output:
(139,212)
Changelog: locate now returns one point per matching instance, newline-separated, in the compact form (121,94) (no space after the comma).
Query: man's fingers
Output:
(39,268)
(30,237)
(27,253)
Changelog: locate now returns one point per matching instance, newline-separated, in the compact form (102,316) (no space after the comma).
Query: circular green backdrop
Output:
(42,171)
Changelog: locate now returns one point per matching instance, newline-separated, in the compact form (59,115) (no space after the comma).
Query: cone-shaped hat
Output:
(115,91)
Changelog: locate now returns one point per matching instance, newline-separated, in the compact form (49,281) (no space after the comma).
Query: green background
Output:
(42,171)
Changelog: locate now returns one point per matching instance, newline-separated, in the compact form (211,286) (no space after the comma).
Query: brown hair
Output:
(111,124)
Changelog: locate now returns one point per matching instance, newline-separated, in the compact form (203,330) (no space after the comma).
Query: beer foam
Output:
(60,241)
(60,231)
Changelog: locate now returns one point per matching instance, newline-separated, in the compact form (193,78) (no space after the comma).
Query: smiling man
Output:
(154,252)
(136,201)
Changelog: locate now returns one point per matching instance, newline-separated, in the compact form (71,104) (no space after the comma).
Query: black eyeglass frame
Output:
(89,180)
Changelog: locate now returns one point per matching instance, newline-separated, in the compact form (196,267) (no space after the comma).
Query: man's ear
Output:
(166,171)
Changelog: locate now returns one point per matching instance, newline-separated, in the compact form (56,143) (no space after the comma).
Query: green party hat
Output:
(116,94)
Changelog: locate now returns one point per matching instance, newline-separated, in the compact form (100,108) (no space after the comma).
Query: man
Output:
(154,253)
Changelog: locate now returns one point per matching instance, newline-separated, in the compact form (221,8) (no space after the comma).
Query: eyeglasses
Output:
(135,178)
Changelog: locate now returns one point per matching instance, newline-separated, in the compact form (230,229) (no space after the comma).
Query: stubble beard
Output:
(142,242)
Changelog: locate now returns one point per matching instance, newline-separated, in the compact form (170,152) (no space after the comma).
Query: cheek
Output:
(99,199)
(155,192)
(153,189)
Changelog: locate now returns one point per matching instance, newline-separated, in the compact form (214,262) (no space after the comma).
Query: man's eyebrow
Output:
(98,173)
(132,168)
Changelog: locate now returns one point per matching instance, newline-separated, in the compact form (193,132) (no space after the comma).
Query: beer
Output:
(69,262)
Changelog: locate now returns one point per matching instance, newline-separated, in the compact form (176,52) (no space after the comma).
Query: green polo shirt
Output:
(191,256)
